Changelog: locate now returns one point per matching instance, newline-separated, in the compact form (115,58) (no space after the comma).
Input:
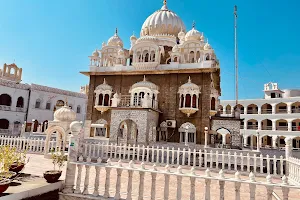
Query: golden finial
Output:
(194,24)
(165,2)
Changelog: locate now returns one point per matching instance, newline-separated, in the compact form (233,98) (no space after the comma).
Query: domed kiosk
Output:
(60,128)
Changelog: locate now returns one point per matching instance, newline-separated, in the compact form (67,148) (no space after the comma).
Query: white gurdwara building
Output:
(32,104)
(272,119)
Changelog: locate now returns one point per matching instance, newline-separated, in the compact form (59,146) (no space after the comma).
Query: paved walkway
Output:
(37,165)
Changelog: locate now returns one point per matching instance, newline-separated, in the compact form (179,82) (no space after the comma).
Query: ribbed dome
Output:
(189,86)
(145,84)
(193,35)
(103,87)
(96,53)
(207,46)
(162,22)
(64,113)
(133,38)
(115,40)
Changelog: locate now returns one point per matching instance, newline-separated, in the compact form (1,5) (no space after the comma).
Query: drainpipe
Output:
(26,115)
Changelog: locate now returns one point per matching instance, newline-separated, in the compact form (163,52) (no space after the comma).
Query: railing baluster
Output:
(252,186)
(179,183)
(268,164)
(118,182)
(148,154)
(141,186)
(237,186)
(261,163)
(235,160)
(192,184)
(207,184)
(173,155)
(153,182)
(97,178)
(87,178)
(167,183)
(129,184)
(194,158)
(107,180)
(269,188)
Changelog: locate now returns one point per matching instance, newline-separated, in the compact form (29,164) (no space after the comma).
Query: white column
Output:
(274,139)
(259,125)
(289,108)
(206,137)
(184,100)
(232,110)
(287,147)
(251,142)
(223,139)
(273,125)
(259,109)
(97,99)
(289,125)
(273,109)
(224,110)
(245,139)
(258,142)
(180,100)
(245,110)
(186,137)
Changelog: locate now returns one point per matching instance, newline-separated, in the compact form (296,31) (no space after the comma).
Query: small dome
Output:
(193,34)
(103,87)
(133,38)
(65,113)
(145,84)
(115,40)
(181,35)
(175,48)
(116,95)
(96,53)
(162,22)
(207,46)
(189,86)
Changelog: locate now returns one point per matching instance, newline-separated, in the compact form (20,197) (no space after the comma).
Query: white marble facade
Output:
(21,103)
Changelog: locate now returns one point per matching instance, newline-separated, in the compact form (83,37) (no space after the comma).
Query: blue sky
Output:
(51,40)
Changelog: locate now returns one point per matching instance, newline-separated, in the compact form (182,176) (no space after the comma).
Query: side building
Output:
(272,119)
(33,104)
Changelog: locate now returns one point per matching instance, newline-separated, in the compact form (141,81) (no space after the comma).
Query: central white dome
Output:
(163,22)
(64,113)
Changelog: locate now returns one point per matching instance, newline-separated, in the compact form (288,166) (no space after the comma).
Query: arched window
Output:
(100,99)
(213,103)
(182,101)
(153,100)
(191,56)
(194,101)
(4,124)
(135,99)
(207,57)
(188,100)
(20,102)
(5,100)
(141,95)
(38,103)
(175,59)
(106,100)
(48,106)
(147,57)
(78,109)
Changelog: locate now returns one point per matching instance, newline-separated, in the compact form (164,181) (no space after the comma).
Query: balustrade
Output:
(5,108)
(147,189)
(187,157)
(282,128)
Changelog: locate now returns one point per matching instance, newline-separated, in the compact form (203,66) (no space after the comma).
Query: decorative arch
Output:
(20,102)
(4,124)
(187,132)
(60,138)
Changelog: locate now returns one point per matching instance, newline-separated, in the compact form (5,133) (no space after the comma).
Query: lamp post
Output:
(258,140)
(206,136)
(186,135)
(32,125)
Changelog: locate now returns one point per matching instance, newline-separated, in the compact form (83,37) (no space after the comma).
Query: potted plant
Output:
(58,159)
(19,161)
(7,157)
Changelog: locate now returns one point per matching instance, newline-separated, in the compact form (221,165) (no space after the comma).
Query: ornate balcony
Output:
(188,111)
(102,109)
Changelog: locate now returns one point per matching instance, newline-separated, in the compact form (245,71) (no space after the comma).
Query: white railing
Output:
(5,108)
(282,128)
(187,157)
(294,170)
(30,145)
(144,182)
(266,111)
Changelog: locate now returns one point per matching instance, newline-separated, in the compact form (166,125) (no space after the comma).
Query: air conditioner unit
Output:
(171,123)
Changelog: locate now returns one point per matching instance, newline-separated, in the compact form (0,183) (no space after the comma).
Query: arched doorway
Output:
(223,137)
(17,128)
(59,104)
(35,125)
(127,132)
(44,125)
